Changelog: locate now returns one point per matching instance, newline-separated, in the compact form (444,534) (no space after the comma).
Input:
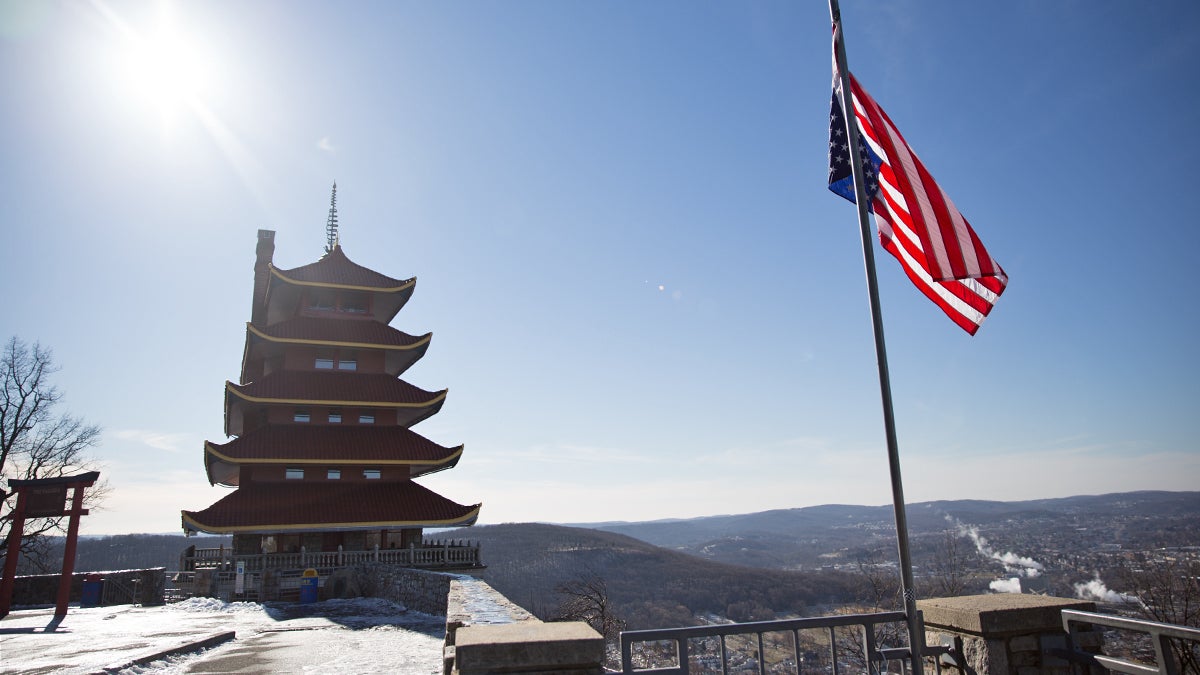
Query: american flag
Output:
(917,222)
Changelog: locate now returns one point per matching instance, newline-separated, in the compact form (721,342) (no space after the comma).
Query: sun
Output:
(159,68)
(166,70)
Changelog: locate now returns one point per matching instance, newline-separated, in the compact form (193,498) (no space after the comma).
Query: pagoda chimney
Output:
(263,254)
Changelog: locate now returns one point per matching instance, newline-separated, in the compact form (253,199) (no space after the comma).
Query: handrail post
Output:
(1164,655)
(762,656)
(833,655)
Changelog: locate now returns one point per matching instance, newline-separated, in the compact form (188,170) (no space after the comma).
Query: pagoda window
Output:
(335,416)
(302,416)
(347,364)
(366,419)
(354,303)
(333,474)
(372,474)
(324,363)
(293,474)
(322,301)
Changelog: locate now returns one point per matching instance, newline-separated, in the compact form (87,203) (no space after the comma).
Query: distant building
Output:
(322,457)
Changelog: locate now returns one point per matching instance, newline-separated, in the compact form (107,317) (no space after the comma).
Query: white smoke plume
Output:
(1022,566)
(1012,585)
(1097,590)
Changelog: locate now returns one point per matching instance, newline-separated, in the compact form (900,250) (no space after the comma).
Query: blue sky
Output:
(644,301)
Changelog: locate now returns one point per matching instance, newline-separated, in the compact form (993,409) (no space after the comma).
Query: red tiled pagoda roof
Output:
(338,270)
(293,444)
(335,388)
(338,331)
(284,507)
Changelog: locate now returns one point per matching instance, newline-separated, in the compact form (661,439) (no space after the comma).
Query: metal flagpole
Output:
(916,637)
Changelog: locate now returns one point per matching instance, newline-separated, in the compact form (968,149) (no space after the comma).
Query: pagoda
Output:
(322,456)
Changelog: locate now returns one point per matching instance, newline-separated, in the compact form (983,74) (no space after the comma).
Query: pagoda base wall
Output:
(418,590)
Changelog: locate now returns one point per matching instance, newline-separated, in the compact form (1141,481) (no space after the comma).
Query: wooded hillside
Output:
(648,586)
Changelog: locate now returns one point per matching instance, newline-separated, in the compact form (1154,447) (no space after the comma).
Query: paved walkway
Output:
(323,637)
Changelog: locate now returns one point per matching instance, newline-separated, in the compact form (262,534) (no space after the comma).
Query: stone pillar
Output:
(488,633)
(529,647)
(1003,633)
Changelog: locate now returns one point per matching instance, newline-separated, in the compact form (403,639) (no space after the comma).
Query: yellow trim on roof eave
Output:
(472,516)
(229,387)
(331,462)
(321,284)
(299,341)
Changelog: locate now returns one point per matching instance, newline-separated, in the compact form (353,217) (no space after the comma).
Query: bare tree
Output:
(585,598)
(1167,587)
(878,582)
(878,590)
(37,443)
(948,567)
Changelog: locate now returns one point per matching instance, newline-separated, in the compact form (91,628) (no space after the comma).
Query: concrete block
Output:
(1000,614)
(528,647)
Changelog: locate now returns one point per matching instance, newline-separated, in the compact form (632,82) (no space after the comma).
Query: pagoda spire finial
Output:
(331,225)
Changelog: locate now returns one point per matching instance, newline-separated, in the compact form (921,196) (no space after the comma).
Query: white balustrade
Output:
(429,554)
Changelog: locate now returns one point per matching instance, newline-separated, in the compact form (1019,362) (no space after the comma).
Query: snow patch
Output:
(213,606)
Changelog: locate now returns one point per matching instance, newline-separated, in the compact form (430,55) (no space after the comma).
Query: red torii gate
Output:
(45,498)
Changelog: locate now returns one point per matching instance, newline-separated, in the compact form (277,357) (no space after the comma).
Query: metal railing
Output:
(1161,634)
(430,555)
(866,651)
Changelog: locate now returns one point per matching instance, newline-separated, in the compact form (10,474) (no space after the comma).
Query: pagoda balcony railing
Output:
(431,554)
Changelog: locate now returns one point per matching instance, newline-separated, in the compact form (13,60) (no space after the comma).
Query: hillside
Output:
(649,586)
(753,566)
(810,537)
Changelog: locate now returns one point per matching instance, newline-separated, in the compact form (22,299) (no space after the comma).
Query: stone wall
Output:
(472,602)
(419,590)
(143,587)
(488,633)
(1004,633)
(485,631)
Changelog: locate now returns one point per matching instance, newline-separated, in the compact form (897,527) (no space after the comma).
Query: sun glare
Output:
(166,71)
(160,68)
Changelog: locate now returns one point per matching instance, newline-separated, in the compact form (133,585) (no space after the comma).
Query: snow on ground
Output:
(364,635)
